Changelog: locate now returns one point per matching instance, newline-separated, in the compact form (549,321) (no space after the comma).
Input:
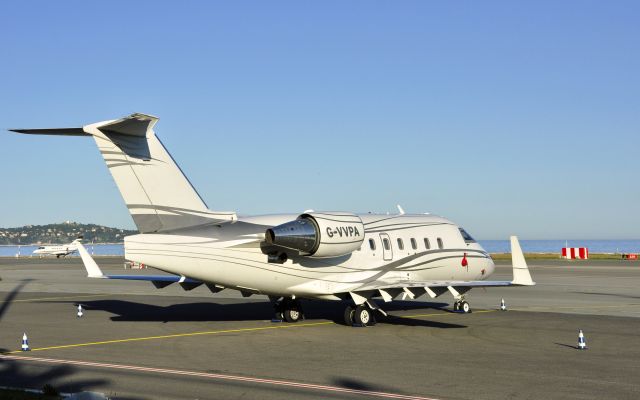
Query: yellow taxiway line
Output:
(218,332)
(177,335)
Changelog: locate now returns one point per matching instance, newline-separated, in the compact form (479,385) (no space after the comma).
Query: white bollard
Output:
(25,342)
(80,314)
(582,344)
(503,306)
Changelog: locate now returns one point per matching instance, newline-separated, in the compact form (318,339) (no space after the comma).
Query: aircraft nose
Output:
(491,266)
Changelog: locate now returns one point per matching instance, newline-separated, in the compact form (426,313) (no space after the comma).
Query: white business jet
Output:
(342,256)
(61,250)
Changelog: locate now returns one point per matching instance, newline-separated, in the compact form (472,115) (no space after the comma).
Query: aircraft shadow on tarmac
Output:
(4,305)
(16,374)
(624,296)
(208,311)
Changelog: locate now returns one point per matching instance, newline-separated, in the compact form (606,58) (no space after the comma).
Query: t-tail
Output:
(158,195)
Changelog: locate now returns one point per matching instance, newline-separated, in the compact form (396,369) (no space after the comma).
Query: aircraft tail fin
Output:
(157,193)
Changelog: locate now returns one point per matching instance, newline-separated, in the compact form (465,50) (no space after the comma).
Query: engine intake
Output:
(321,234)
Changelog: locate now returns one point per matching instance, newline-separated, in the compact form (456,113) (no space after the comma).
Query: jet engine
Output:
(319,234)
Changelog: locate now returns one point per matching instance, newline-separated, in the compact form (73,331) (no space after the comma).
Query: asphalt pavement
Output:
(137,342)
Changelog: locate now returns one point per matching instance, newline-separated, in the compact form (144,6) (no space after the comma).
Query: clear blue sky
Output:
(507,117)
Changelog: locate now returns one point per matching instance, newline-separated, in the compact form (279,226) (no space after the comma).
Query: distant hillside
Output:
(62,233)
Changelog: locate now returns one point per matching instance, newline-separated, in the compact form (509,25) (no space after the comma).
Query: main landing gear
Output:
(361,315)
(288,310)
(462,306)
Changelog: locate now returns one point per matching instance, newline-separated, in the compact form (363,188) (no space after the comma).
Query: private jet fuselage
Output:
(347,252)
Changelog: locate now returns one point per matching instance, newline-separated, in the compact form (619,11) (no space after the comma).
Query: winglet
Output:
(521,275)
(93,271)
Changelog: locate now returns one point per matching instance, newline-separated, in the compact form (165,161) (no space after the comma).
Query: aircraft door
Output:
(387,251)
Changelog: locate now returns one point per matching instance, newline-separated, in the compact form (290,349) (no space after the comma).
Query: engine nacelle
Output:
(319,234)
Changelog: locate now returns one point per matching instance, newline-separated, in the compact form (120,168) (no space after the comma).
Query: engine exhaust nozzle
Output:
(301,235)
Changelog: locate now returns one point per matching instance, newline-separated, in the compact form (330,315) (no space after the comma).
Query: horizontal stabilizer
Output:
(133,125)
(53,131)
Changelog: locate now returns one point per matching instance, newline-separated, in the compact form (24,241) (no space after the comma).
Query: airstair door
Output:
(387,251)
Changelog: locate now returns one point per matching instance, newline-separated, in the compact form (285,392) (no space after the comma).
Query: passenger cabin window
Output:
(440,245)
(372,244)
(385,243)
(427,244)
(465,235)
(414,244)
(400,244)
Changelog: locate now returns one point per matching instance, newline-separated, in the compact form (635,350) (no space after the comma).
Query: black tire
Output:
(363,316)
(349,312)
(465,307)
(456,306)
(292,314)
(373,319)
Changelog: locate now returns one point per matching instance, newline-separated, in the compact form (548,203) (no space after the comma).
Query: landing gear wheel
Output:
(364,316)
(292,315)
(456,306)
(465,307)
(349,315)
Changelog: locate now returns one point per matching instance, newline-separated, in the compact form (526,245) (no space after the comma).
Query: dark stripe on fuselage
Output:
(386,230)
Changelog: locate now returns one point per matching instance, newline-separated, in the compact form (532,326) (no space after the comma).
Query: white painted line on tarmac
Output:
(300,385)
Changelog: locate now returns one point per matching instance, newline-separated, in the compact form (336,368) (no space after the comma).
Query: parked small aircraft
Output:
(356,258)
(61,250)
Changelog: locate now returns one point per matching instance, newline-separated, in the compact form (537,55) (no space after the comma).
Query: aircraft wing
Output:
(160,281)
(435,284)
(388,290)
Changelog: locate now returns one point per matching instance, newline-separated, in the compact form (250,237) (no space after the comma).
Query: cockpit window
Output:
(465,235)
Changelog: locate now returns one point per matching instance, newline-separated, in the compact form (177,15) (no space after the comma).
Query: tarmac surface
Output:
(137,342)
